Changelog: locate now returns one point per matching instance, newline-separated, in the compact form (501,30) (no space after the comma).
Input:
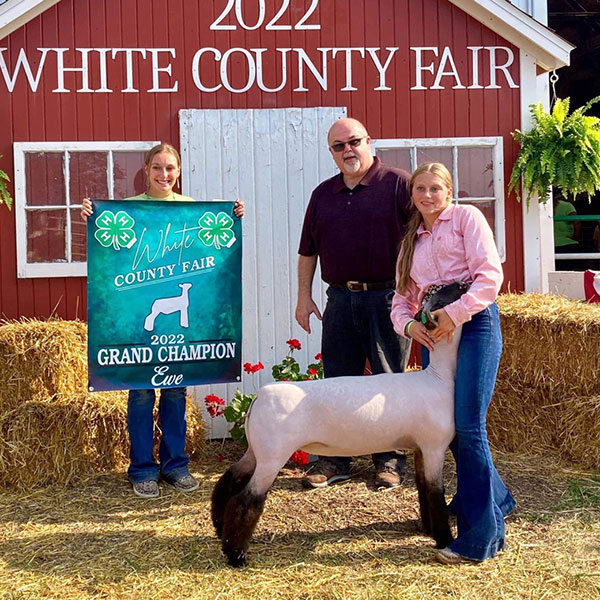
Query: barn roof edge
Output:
(549,49)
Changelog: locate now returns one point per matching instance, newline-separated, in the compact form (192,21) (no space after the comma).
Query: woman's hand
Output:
(86,209)
(239,208)
(419,333)
(445,326)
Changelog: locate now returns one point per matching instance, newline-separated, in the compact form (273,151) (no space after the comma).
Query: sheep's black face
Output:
(440,298)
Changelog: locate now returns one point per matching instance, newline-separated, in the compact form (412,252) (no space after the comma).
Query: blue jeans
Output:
(482,500)
(357,326)
(140,424)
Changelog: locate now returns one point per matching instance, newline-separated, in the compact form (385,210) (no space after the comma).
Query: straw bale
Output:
(52,431)
(547,395)
(551,340)
(59,442)
(40,360)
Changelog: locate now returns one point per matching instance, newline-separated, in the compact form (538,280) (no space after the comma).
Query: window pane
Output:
(44,178)
(46,235)
(441,155)
(129,175)
(87,171)
(489,210)
(78,237)
(396,157)
(475,172)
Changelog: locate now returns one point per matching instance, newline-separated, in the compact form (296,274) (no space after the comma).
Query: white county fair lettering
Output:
(239,69)
(164,294)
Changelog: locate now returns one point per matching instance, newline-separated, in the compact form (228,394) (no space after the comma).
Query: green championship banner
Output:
(164,294)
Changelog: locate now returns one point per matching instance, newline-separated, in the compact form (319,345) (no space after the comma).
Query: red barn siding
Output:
(184,26)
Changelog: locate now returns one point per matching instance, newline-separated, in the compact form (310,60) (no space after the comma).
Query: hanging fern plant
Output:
(560,150)
(5,197)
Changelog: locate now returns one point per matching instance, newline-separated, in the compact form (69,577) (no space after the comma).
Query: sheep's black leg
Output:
(230,484)
(434,512)
(241,516)
(422,490)
(438,514)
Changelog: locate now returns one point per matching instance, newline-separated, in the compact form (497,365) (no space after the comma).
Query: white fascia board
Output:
(550,50)
(16,13)
(538,226)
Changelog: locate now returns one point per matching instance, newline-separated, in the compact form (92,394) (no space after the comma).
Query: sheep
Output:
(343,416)
(167,306)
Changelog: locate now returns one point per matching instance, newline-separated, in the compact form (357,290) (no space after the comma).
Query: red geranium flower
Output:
(250,368)
(213,405)
(318,356)
(294,344)
(299,457)
(312,371)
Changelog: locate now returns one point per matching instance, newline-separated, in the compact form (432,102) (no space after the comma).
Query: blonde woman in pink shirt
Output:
(444,243)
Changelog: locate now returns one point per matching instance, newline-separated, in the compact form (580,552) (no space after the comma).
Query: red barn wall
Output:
(184,25)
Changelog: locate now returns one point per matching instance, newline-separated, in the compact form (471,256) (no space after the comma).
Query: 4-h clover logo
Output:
(215,230)
(116,230)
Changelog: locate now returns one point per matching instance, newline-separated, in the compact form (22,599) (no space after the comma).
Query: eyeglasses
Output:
(354,142)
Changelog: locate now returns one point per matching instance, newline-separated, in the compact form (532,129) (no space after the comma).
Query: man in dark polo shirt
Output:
(354,224)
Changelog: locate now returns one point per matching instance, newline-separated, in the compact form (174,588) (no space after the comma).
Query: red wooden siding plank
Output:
(185,26)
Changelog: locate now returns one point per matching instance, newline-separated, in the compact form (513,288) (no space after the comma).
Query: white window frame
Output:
(20,149)
(495,143)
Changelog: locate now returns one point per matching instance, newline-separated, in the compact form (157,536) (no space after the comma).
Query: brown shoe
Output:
(323,474)
(388,477)
(449,557)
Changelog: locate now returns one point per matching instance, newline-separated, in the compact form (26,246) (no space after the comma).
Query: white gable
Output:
(549,50)
(16,13)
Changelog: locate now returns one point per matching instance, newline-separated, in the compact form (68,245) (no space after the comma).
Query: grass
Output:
(582,493)
(98,541)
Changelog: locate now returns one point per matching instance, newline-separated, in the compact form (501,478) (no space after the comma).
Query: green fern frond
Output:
(560,149)
(5,197)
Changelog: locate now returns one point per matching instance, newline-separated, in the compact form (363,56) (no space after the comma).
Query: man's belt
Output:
(365,286)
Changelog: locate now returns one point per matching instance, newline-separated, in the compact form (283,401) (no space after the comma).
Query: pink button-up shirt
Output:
(460,247)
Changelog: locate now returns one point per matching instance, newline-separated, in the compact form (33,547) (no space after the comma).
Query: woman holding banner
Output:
(162,166)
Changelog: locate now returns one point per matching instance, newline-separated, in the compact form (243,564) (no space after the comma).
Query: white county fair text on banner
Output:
(164,294)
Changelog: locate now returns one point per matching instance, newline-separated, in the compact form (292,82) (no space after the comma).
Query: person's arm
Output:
(576,227)
(483,262)
(404,306)
(306,305)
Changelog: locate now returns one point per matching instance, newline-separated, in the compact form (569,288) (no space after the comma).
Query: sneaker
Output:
(146,489)
(388,477)
(323,474)
(186,483)
(449,557)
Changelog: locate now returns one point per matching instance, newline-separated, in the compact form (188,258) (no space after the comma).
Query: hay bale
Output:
(547,396)
(40,360)
(551,340)
(52,430)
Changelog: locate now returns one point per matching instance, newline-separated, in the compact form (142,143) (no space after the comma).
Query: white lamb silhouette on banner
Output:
(167,306)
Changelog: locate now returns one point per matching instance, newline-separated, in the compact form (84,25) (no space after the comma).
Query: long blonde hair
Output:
(407,248)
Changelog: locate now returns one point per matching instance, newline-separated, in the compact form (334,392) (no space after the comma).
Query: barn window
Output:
(476,165)
(51,178)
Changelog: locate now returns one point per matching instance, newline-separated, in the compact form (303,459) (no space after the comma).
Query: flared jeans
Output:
(140,424)
(482,499)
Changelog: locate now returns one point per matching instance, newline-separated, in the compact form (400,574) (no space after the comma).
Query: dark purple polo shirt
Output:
(357,232)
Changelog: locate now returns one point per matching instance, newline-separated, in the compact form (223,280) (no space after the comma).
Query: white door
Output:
(272,159)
